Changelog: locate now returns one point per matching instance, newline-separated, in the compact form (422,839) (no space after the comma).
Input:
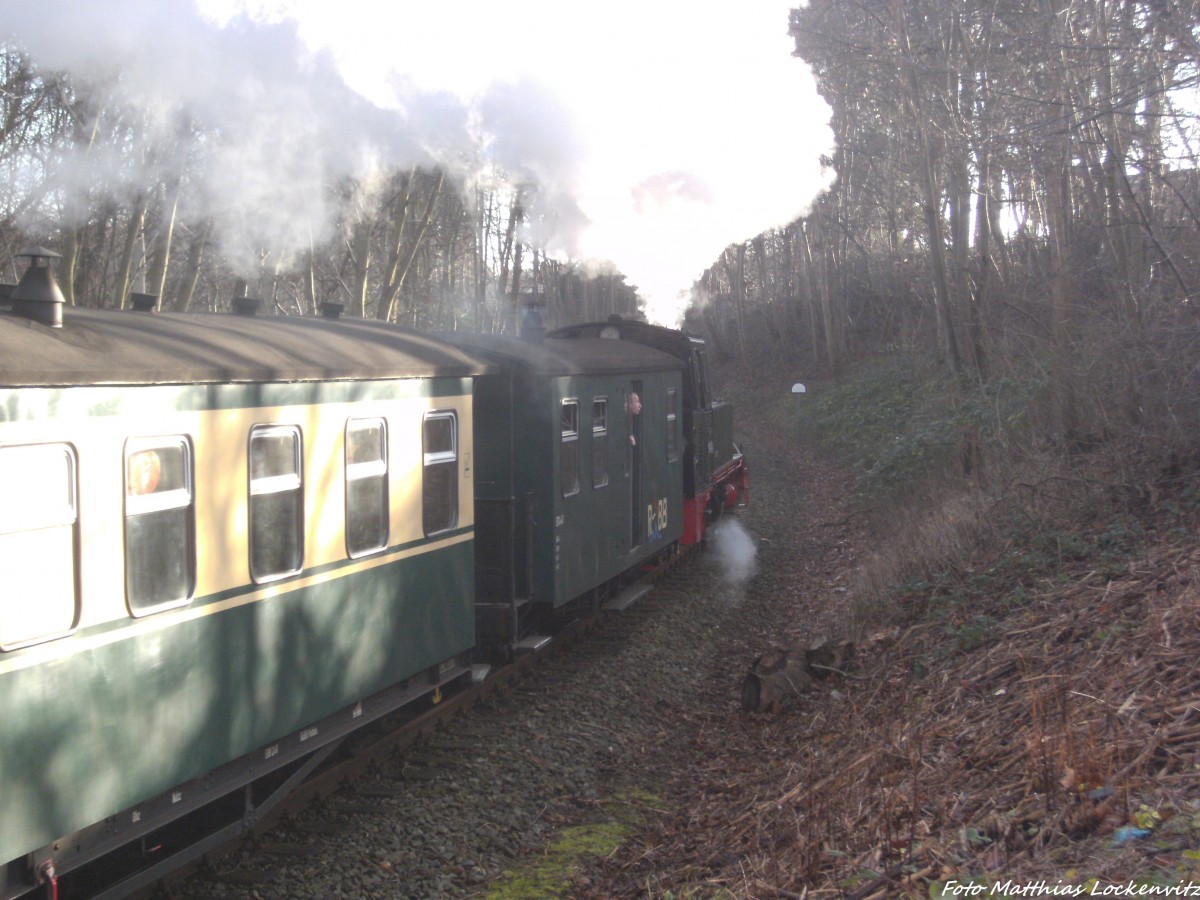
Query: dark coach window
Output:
(366,486)
(276,502)
(160,542)
(599,442)
(39,539)
(439,492)
(569,457)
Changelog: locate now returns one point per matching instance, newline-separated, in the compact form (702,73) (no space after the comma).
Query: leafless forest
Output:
(1017,192)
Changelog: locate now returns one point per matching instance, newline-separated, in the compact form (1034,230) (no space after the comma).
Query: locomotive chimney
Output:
(143,302)
(331,309)
(37,296)
(246,306)
(533,328)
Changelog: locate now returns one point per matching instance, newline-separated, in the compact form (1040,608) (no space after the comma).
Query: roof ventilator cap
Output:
(246,306)
(143,302)
(331,309)
(37,296)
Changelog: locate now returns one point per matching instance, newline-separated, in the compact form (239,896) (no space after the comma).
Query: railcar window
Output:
(366,486)
(569,458)
(38,542)
(160,544)
(672,425)
(599,442)
(439,490)
(276,502)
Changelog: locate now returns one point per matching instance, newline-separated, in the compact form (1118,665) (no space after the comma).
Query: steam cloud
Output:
(655,134)
(735,551)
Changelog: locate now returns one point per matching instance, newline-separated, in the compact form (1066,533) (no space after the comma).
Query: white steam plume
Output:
(656,133)
(734,550)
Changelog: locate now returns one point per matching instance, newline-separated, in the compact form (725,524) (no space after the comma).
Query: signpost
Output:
(799,390)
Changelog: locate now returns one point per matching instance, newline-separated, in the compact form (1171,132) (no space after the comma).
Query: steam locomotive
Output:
(230,540)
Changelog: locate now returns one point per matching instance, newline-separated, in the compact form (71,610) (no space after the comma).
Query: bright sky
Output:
(658,131)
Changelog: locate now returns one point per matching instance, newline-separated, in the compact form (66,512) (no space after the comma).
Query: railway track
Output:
(342,780)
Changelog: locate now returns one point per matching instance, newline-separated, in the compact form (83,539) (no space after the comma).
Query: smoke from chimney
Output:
(652,134)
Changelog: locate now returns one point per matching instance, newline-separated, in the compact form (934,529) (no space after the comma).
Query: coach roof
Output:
(583,356)
(108,347)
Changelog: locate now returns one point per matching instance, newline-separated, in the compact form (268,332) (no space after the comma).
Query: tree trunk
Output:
(931,204)
(195,258)
(1057,163)
(814,288)
(160,249)
(960,91)
(137,217)
(403,256)
(515,214)
(72,239)
(736,271)
(360,259)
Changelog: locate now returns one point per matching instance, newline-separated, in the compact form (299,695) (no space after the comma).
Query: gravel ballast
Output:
(608,720)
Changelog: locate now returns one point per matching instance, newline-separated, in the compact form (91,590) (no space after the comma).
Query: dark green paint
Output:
(95,732)
(583,540)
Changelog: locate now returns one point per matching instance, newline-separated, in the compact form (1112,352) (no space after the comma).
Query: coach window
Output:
(439,491)
(160,544)
(276,502)
(366,486)
(672,425)
(39,542)
(599,442)
(569,458)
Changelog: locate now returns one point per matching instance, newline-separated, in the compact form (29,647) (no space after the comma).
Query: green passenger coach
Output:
(225,541)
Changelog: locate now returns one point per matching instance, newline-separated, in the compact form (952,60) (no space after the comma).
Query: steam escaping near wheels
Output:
(735,552)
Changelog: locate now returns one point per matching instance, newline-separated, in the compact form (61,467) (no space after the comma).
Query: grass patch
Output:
(551,874)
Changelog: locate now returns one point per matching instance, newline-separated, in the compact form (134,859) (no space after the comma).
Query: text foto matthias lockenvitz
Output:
(1090,888)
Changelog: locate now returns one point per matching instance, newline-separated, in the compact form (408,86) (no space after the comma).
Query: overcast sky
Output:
(658,131)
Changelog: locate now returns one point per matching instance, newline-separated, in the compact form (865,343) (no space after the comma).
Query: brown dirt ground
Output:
(1020,742)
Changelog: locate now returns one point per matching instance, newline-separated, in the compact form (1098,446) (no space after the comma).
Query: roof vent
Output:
(37,296)
(143,302)
(246,306)
(331,309)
